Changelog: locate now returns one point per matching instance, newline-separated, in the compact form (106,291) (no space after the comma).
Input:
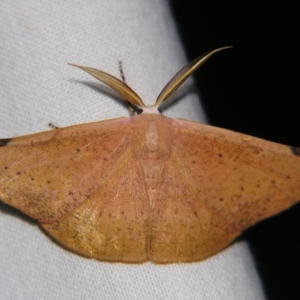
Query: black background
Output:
(254,89)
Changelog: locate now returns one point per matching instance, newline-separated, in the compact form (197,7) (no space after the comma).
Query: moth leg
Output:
(53,126)
(130,107)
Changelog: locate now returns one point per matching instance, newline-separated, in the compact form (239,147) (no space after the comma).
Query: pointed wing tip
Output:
(295,151)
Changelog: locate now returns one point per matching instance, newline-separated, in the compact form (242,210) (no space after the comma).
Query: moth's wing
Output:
(81,183)
(216,184)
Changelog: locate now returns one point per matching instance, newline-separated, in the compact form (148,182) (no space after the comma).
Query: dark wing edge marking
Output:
(295,151)
(4,142)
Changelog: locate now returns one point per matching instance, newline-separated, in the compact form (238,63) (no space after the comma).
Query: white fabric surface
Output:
(37,39)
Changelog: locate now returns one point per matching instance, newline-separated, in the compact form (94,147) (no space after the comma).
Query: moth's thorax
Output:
(151,141)
(152,144)
(151,134)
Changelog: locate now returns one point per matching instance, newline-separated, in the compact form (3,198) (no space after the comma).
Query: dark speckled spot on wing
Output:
(296,151)
(4,142)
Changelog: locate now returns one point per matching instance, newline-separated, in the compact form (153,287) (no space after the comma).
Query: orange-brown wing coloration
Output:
(216,184)
(83,185)
(147,187)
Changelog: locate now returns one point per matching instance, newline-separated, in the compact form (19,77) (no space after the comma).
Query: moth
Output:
(148,187)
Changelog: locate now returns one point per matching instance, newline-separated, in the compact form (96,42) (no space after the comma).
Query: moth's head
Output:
(149,110)
(135,101)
